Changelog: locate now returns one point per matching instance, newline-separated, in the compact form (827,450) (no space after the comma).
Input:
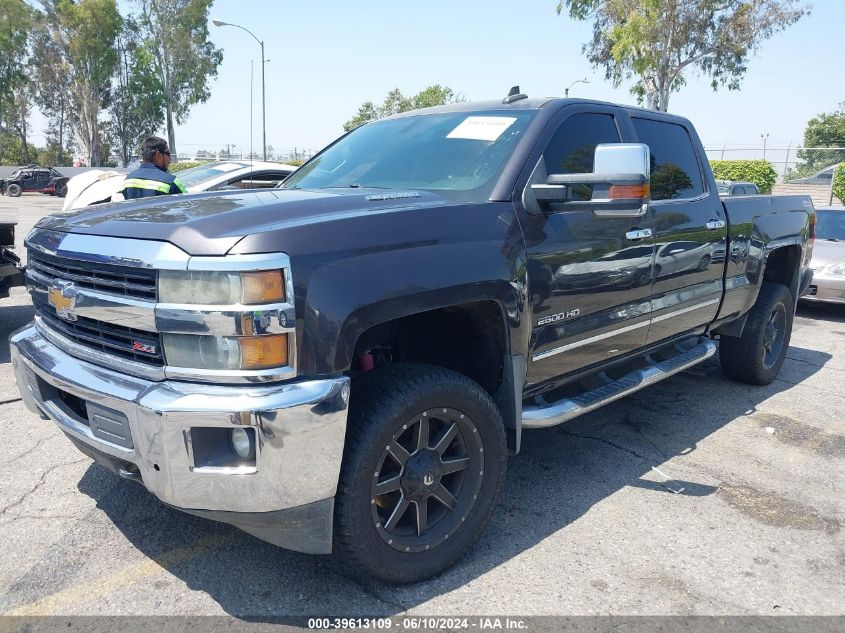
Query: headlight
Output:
(220,288)
(835,269)
(226,352)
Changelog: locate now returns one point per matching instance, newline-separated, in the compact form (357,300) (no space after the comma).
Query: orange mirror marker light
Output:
(618,192)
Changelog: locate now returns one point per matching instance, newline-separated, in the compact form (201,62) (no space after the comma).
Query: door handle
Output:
(638,234)
(715,224)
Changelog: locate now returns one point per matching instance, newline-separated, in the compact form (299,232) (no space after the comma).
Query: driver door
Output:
(589,274)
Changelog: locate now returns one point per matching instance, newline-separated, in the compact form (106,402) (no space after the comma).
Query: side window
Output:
(675,172)
(258,180)
(572,148)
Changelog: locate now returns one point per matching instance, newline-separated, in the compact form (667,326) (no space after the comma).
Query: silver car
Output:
(828,261)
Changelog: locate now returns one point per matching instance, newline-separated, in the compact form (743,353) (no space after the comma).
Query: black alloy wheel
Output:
(422,471)
(774,336)
(427,480)
(757,355)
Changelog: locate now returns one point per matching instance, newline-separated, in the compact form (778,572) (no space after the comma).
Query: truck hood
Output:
(212,223)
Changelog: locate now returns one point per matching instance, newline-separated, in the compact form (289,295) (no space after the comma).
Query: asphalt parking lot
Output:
(698,496)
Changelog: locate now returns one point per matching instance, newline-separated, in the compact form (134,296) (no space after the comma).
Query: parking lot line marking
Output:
(88,591)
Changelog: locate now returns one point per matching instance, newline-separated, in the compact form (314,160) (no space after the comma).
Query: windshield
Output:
(459,155)
(196,175)
(830,225)
(723,189)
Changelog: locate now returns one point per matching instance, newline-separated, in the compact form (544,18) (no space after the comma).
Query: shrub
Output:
(760,172)
(184,164)
(839,182)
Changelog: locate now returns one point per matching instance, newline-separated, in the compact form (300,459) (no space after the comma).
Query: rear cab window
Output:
(675,170)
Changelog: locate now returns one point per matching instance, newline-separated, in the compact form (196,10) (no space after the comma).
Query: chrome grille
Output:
(106,337)
(139,283)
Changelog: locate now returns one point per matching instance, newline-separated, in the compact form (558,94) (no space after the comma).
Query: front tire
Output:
(757,356)
(13,190)
(422,472)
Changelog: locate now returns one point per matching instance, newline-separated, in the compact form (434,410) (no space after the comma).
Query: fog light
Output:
(241,443)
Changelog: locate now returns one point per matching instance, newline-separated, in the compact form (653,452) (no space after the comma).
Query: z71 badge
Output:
(560,316)
(138,346)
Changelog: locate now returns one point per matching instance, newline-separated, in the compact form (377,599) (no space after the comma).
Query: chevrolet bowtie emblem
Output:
(63,298)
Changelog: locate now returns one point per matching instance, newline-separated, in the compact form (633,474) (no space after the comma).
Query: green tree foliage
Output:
(656,41)
(53,92)
(760,172)
(85,32)
(183,56)
(17,115)
(839,182)
(12,150)
(825,130)
(137,107)
(15,23)
(395,102)
(15,91)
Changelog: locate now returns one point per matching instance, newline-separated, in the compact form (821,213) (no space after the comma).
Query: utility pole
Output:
(765,139)
(263,61)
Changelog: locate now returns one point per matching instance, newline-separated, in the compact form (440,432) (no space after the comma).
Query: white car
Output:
(98,186)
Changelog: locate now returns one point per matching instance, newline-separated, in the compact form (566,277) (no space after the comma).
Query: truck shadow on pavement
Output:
(560,475)
(12,317)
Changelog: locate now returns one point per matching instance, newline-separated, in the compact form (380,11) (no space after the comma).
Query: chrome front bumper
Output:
(299,428)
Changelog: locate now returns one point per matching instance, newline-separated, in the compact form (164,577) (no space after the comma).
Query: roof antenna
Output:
(514,95)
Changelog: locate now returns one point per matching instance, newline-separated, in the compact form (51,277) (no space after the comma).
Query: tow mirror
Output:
(620,183)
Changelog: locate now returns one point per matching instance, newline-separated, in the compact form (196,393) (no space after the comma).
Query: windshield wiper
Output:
(830,239)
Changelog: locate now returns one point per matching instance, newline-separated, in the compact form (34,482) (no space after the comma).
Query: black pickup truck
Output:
(344,363)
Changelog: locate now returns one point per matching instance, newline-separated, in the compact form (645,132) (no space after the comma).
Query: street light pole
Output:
(263,104)
(765,138)
(577,81)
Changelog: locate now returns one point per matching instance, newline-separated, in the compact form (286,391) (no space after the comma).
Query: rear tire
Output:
(757,356)
(14,190)
(408,508)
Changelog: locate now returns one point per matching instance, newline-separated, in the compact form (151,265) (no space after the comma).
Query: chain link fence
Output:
(804,170)
(204,153)
(791,162)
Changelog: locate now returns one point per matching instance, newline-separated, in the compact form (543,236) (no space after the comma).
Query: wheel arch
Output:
(471,338)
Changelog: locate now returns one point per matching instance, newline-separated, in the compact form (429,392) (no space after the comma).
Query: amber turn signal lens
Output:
(264,352)
(267,286)
(618,192)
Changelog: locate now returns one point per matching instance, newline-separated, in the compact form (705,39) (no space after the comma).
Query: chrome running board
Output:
(550,414)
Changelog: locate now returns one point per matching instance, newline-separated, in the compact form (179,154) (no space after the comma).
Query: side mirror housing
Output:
(620,183)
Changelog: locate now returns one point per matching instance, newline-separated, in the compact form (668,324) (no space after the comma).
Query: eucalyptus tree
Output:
(658,41)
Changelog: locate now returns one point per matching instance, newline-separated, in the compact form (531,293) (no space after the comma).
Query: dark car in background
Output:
(732,188)
(828,261)
(36,180)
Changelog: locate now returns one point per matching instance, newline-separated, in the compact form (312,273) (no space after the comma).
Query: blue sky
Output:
(327,57)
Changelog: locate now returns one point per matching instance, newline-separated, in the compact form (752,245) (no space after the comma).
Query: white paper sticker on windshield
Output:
(228,167)
(482,128)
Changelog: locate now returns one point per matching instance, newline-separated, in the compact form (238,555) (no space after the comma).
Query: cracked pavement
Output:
(591,520)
